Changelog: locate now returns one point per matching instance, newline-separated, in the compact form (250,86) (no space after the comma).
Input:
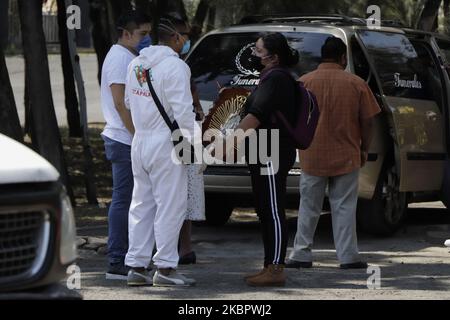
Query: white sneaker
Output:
(135,278)
(447,243)
(174,279)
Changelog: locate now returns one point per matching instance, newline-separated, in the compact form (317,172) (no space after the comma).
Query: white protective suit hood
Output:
(151,56)
(171,79)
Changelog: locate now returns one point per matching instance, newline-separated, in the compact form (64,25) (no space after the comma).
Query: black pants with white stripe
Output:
(270,201)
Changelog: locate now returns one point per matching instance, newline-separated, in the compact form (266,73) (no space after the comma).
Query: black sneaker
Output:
(117,271)
(355,265)
(293,264)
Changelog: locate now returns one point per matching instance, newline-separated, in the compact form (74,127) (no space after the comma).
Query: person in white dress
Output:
(196,197)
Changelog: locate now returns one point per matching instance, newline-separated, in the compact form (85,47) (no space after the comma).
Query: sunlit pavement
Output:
(413,264)
(88,62)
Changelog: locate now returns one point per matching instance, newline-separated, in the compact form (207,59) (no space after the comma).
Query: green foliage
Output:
(404,11)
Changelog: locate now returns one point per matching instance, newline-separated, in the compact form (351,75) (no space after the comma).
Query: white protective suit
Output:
(159,202)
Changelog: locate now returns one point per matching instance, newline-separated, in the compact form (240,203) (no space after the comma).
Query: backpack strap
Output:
(172,125)
(311,106)
(266,75)
(278,114)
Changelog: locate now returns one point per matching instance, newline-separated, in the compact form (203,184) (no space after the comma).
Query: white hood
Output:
(19,164)
(171,79)
(154,55)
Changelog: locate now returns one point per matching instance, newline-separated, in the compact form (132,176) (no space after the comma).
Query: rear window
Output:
(225,60)
(404,71)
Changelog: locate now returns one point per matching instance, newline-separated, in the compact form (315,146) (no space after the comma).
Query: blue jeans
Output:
(122,175)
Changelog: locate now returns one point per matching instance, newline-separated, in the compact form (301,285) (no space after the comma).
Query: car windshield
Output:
(226,60)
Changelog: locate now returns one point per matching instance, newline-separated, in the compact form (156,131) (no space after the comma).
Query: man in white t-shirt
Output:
(134,35)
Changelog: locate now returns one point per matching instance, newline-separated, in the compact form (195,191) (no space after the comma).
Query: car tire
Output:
(385,213)
(217,210)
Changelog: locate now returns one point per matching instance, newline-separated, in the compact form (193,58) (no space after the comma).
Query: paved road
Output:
(16,69)
(413,264)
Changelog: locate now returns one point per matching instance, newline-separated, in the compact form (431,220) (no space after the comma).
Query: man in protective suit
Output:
(159,199)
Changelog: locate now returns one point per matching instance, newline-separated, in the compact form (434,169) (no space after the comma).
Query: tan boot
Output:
(273,277)
(252,275)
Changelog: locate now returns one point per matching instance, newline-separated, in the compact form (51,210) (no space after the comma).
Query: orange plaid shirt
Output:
(343,100)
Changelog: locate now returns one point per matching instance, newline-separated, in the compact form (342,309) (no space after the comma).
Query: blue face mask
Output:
(144,43)
(186,47)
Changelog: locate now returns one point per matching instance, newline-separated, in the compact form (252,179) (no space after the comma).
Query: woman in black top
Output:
(277,91)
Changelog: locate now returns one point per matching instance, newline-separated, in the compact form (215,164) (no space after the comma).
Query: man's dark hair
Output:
(131,21)
(333,49)
(169,25)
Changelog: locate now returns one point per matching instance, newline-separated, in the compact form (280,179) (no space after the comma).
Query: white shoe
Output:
(447,243)
(135,278)
(174,279)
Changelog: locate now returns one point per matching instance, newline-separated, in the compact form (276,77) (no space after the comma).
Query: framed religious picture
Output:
(225,115)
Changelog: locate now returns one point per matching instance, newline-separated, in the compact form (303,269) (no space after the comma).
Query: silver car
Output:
(406,71)
(37,226)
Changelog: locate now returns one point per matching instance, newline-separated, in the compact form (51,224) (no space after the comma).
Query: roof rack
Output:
(259,18)
(393,23)
(319,18)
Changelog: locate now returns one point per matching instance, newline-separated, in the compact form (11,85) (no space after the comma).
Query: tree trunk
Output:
(71,101)
(199,19)
(158,8)
(115,9)
(28,130)
(28,127)
(4,5)
(46,135)
(211,19)
(84,34)
(103,15)
(429,15)
(201,13)
(9,119)
(447,16)
(89,176)
(144,6)
(100,32)
(435,26)
(178,7)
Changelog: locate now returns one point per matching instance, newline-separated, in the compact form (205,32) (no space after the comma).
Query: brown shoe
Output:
(252,275)
(273,277)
